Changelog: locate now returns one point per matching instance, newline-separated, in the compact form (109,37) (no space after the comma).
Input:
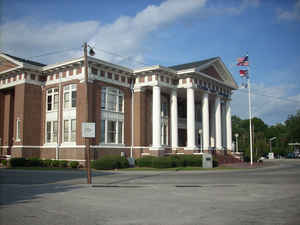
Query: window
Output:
(164,134)
(70,96)
(66,130)
(111,132)
(102,136)
(48,135)
(112,99)
(18,130)
(112,116)
(51,131)
(54,131)
(120,132)
(52,99)
(103,98)
(94,71)
(70,130)
(73,130)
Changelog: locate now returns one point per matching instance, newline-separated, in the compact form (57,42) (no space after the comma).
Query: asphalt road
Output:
(269,195)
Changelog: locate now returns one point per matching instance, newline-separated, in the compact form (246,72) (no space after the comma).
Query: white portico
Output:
(190,106)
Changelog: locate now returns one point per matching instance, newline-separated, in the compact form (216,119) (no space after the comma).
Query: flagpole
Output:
(250,116)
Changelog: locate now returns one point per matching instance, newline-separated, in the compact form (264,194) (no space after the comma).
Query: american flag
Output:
(243,61)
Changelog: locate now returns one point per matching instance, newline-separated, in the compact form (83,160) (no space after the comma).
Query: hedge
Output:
(17,162)
(4,162)
(110,162)
(145,161)
(36,162)
(170,161)
(74,164)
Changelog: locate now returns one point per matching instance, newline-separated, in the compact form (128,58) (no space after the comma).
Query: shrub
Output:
(145,161)
(161,162)
(74,164)
(4,162)
(47,163)
(190,160)
(124,162)
(177,161)
(215,162)
(17,162)
(63,163)
(34,162)
(55,163)
(110,162)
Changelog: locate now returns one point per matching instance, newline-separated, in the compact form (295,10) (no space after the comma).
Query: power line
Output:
(279,98)
(53,53)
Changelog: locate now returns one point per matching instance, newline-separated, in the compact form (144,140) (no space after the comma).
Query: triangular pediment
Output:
(216,69)
(7,64)
(212,72)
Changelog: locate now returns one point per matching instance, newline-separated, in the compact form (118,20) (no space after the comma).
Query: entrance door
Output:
(182,137)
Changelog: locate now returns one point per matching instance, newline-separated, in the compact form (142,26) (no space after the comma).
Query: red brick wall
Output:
(1,116)
(32,115)
(8,108)
(140,131)
(80,112)
(19,111)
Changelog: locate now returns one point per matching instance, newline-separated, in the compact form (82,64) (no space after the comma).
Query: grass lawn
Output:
(132,169)
(41,168)
(174,169)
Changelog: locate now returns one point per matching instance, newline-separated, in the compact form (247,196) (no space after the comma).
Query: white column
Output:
(228,125)
(191,119)
(174,120)
(212,126)
(205,121)
(223,125)
(156,118)
(218,123)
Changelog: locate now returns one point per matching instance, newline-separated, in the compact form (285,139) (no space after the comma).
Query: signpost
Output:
(88,131)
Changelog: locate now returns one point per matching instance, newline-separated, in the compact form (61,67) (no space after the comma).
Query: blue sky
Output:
(168,33)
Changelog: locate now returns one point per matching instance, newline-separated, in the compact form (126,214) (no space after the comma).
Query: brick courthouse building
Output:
(181,109)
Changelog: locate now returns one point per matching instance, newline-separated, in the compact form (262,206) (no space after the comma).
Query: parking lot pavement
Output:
(259,196)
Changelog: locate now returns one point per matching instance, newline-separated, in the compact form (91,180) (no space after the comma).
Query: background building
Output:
(157,110)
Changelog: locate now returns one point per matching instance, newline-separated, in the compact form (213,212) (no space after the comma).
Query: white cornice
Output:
(155,67)
(54,66)
(110,64)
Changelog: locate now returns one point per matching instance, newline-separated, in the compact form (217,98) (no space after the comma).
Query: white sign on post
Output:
(88,130)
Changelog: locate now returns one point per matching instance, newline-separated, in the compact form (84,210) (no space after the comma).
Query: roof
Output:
(192,64)
(25,60)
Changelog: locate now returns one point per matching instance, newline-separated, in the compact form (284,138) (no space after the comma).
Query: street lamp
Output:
(236,142)
(200,131)
(86,77)
(271,139)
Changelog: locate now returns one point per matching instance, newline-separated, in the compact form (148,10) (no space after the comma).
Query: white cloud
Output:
(294,14)
(125,36)
(271,103)
(28,38)
(218,8)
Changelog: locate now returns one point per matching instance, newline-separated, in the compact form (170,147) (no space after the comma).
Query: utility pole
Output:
(87,142)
